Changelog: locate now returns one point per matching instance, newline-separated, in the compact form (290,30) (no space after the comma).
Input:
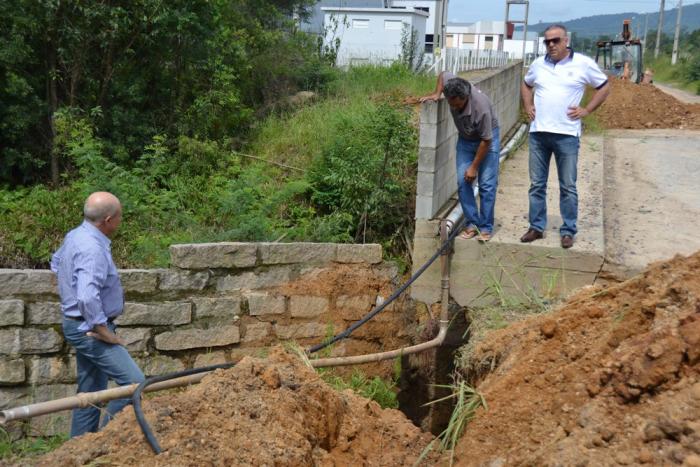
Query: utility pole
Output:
(646,27)
(674,55)
(659,28)
(440,26)
(524,21)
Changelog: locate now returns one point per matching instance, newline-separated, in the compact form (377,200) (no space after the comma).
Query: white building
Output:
(482,35)
(436,10)
(534,46)
(373,35)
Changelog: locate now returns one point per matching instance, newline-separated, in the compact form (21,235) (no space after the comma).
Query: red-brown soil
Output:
(611,378)
(641,106)
(275,411)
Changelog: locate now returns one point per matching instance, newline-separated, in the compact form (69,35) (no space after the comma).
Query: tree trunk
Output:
(53,107)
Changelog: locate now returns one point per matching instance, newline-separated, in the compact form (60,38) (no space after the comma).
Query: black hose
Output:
(136,398)
(456,229)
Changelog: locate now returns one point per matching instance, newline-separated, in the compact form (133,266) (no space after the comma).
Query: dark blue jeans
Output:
(98,362)
(488,182)
(565,149)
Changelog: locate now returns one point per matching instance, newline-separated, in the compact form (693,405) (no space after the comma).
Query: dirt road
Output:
(652,196)
(683,96)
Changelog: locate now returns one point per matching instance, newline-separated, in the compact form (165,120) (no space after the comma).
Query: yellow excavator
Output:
(622,58)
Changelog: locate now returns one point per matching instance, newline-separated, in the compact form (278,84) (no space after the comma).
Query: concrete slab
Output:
(505,270)
(652,196)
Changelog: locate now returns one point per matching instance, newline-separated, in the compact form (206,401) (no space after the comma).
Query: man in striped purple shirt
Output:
(91,298)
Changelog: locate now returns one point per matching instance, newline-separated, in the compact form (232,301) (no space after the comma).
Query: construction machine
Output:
(621,58)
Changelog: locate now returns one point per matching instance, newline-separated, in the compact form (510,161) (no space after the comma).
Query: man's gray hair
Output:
(457,87)
(555,26)
(97,212)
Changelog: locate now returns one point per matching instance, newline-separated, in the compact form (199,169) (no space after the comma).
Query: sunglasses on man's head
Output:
(554,40)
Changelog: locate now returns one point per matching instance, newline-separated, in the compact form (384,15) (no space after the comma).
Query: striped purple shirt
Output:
(88,281)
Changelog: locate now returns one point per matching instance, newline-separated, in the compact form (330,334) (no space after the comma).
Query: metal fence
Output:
(457,60)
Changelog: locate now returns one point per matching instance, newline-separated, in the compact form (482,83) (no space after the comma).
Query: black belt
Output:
(80,318)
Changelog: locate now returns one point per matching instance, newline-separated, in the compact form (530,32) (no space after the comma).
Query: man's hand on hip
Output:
(530,112)
(577,113)
(104,334)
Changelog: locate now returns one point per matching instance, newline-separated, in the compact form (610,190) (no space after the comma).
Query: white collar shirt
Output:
(559,86)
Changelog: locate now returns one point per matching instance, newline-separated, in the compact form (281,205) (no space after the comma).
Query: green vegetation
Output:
(172,131)
(685,74)
(27,447)
(467,401)
(381,391)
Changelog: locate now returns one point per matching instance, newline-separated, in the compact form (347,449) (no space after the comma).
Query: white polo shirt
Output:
(559,86)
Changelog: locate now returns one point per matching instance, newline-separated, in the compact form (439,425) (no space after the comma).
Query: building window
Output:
(360,23)
(393,24)
(468,38)
(429,38)
(449,40)
(488,42)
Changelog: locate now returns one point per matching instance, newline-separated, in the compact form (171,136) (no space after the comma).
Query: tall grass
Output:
(297,138)
(674,75)
(350,162)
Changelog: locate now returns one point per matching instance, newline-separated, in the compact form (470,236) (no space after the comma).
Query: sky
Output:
(467,11)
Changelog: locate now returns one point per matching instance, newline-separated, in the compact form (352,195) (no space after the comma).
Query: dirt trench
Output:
(273,411)
(610,378)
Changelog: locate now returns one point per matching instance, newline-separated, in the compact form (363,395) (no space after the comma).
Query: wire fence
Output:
(458,60)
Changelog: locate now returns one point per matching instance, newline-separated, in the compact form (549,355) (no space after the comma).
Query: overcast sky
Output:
(468,11)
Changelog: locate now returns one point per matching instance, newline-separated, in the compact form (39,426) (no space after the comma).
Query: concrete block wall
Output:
(216,304)
(437,179)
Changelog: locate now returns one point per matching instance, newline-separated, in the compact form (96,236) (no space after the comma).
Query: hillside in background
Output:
(595,26)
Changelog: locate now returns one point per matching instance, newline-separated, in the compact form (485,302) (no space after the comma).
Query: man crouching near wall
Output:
(478,150)
(91,298)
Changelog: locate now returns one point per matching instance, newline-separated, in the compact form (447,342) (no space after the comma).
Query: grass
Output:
(672,75)
(299,137)
(467,402)
(381,391)
(28,447)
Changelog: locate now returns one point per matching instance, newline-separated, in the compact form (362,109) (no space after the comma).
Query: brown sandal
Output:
(468,233)
(484,237)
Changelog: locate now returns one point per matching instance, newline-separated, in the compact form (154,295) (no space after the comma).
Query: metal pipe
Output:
(513,142)
(86,399)
(437,341)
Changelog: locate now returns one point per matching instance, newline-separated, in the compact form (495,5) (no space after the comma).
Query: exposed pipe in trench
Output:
(448,231)
(87,399)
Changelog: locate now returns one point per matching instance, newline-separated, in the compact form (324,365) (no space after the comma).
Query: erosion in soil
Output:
(612,377)
(273,411)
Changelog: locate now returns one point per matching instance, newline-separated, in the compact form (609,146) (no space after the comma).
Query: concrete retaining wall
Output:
(437,180)
(218,303)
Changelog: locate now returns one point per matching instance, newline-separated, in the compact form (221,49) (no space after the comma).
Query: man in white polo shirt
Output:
(557,82)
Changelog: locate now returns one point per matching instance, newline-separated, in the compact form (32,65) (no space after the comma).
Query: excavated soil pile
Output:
(611,378)
(640,106)
(273,411)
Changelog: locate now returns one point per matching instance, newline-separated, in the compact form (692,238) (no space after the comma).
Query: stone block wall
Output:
(437,179)
(217,303)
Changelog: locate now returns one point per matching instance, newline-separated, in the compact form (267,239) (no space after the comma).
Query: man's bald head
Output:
(103,210)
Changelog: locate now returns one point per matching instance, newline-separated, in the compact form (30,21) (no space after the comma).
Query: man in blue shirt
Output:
(91,298)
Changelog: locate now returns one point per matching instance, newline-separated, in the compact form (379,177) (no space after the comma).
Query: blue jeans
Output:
(488,182)
(98,362)
(565,149)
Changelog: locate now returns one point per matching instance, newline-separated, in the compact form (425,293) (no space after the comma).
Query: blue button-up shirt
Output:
(88,281)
